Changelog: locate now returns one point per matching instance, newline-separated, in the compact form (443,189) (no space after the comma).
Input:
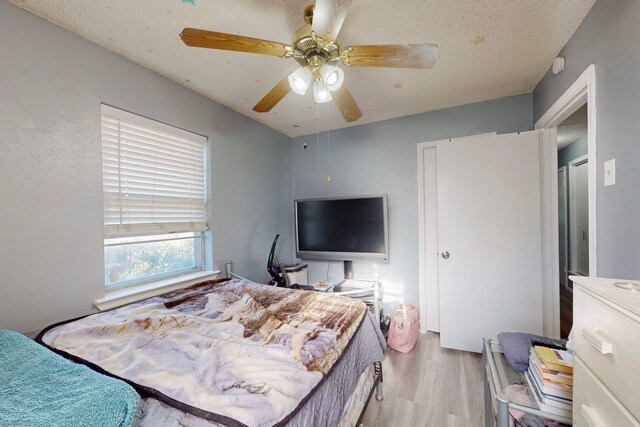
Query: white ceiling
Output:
(488,49)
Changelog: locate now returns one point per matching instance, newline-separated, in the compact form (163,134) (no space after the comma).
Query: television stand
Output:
(369,291)
(348,269)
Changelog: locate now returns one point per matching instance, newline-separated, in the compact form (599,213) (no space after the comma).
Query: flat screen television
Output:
(342,228)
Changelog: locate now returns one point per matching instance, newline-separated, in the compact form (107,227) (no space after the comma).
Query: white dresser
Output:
(606,331)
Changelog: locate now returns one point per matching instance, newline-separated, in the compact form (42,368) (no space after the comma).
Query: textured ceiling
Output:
(488,49)
(574,127)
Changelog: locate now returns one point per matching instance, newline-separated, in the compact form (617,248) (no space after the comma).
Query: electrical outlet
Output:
(609,172)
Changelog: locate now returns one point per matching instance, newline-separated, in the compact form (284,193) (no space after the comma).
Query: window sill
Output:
(120,297)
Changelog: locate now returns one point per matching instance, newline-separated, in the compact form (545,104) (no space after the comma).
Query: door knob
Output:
(445,255)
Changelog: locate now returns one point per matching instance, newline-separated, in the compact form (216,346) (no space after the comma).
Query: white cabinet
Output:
(594,405)
(606,331)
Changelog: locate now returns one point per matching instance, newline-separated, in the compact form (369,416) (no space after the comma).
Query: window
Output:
(154,199)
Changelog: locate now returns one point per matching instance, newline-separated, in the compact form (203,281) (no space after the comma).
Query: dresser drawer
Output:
(593,404)
(609,343)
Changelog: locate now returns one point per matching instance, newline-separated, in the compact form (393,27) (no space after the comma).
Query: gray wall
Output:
(51,85)
(608,38)
(382,158)
(572,151)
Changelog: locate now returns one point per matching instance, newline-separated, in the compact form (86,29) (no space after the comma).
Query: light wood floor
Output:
(429,386)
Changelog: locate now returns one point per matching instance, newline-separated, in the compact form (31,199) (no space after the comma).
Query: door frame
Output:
(573,232)
(582,91)
(422,265)
(565,215)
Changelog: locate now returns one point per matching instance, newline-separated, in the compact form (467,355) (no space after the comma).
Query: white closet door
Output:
(489,238)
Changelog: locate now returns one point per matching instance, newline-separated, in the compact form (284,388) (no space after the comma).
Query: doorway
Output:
(581,92)
(573,209)
(579,217)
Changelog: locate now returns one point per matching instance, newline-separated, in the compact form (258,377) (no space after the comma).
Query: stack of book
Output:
(550,377)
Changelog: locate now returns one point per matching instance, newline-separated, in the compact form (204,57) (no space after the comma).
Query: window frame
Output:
(150,229)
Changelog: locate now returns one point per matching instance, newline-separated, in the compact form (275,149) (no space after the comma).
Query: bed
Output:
(39,388)
(234,353)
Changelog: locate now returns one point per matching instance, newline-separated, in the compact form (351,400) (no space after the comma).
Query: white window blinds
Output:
(153,176)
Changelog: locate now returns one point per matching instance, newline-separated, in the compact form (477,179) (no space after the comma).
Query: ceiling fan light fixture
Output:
(300,79)
(321,93)
(315,49)
(332,77)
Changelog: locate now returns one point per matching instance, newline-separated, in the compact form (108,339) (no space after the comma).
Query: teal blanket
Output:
(40,388)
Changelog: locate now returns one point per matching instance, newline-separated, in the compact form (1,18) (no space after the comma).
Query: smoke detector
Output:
(558,65)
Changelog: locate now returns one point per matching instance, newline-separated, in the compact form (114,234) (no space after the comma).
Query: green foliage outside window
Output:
(144,260)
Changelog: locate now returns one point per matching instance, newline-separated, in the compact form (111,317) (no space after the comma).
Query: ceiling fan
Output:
(315,47)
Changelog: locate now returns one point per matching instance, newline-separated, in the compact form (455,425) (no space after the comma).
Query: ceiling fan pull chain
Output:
(318,131)
(328,137)
(328,144)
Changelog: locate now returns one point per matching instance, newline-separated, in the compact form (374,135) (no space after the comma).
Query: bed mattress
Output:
(232,353)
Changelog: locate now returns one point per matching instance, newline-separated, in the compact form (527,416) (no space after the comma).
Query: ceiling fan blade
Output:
(213,40)
(275,95)
(394,55)
(346,104)
(328,16)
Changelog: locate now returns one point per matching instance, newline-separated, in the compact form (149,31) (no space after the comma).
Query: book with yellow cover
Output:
(557,360)
(550,374)
(550,388)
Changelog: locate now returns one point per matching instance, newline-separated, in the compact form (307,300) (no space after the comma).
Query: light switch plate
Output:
(609,172)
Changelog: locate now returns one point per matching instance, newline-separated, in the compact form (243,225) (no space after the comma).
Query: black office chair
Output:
(276,270)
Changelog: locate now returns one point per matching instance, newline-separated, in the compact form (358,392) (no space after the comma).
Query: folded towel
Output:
(40,388)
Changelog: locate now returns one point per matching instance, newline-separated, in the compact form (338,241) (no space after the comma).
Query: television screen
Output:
(342,228)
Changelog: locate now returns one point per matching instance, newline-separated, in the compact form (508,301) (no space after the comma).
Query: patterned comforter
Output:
(232,352)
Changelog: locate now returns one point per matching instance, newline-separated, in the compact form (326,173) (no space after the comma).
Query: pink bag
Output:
(404,329)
